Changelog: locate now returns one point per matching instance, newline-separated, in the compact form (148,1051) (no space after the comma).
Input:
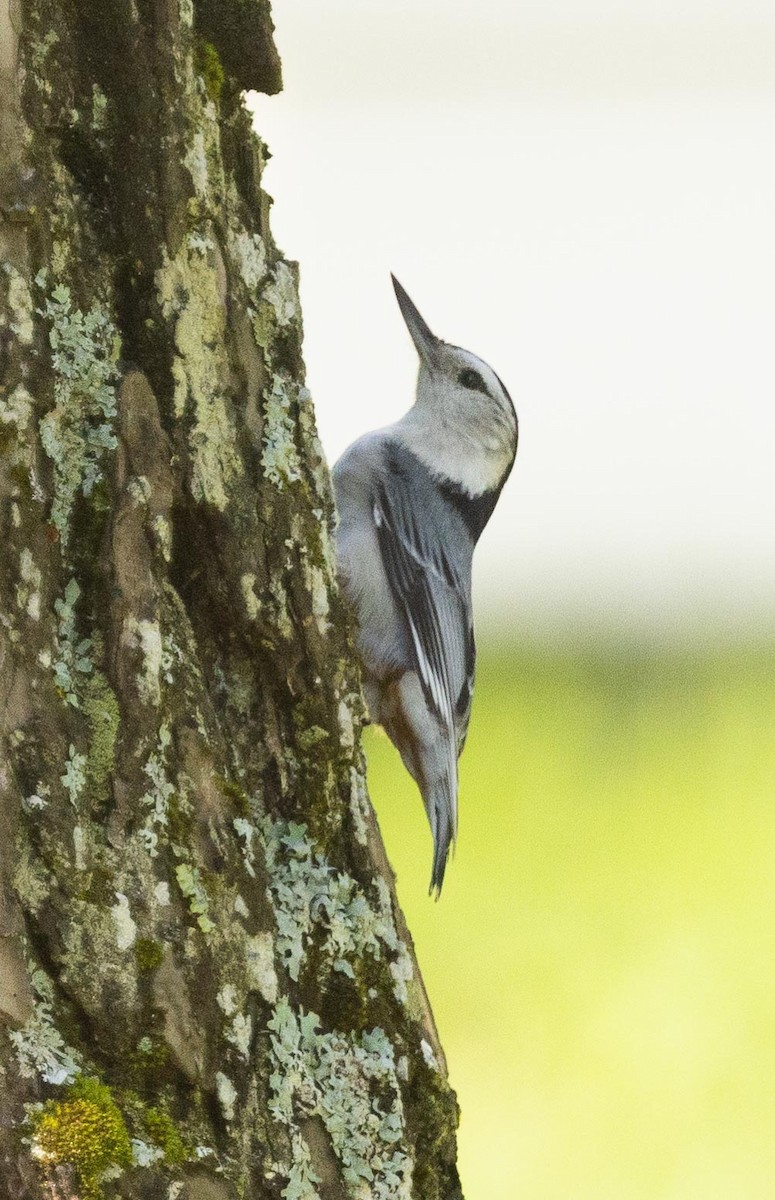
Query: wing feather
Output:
(433,593)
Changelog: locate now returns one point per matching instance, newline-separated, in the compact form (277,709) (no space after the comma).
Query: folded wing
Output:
(427,552)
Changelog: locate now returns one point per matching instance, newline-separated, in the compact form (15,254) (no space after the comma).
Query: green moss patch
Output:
(87,1130)
(208,64)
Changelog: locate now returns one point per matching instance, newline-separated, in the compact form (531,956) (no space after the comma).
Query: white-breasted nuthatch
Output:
(412,500)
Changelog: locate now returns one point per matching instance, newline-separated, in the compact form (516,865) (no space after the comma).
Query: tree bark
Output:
(207,989)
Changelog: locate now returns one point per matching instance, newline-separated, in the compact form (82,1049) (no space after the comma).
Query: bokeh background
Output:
(583,193)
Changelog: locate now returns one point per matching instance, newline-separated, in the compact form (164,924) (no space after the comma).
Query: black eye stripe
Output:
(470,378)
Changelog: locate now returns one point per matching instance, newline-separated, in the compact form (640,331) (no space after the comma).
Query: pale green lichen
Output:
(226,999)
(38,799)
(126,927)
(359,801)
(144,1155)
(281,614)
(74,778)
(259,959)
(171,658)
(31,882)
(301,1177)
(96,931)
(20,305)
(79,847)
(158,797)
(12,633)
(249,252)
(318,585)
(99,109)
(240,1033)
(280,458)
(190,883)
(402,973)
(429,1056)
(16,409)
(139,489)
(163,534)
(196,162)
(61,248)
(312,899)
(78,431)
(351,1084)
(188,289)
(318,464)
(247,832)
(252,602)
(227,1094)
(203,151)
(282,294)
(39,52)
(72,654)
(28,588)
(41,1051)
(318,569)
(146,635)
(346,724)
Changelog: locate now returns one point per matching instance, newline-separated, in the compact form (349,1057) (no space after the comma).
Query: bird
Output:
(412,500)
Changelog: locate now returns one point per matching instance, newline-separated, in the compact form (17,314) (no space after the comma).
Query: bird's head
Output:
(461,405)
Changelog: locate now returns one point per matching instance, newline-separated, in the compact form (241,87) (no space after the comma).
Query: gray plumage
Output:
(412,500)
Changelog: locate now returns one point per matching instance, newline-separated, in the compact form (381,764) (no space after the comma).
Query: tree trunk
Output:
(207,989)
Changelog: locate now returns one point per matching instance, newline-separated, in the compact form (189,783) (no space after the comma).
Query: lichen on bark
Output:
(207,989)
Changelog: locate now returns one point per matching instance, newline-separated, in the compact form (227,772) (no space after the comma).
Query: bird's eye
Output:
(470,378)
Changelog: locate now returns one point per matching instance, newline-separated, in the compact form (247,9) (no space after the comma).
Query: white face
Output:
(463,423)
(464,394)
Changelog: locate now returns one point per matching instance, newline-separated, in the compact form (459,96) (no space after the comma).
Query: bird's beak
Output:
(427,343)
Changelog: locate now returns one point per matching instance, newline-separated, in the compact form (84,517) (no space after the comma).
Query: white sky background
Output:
(584,195)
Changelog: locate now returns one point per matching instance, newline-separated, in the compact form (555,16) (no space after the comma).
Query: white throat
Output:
(455,451)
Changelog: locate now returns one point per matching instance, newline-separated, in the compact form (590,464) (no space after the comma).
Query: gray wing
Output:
(427,553)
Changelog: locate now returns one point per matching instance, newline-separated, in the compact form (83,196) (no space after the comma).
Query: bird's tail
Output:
(441,804)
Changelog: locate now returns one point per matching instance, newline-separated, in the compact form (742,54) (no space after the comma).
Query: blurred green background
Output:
(602,960)
(580,191)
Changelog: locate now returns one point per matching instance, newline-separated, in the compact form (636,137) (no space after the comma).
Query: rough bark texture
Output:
(206,987)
